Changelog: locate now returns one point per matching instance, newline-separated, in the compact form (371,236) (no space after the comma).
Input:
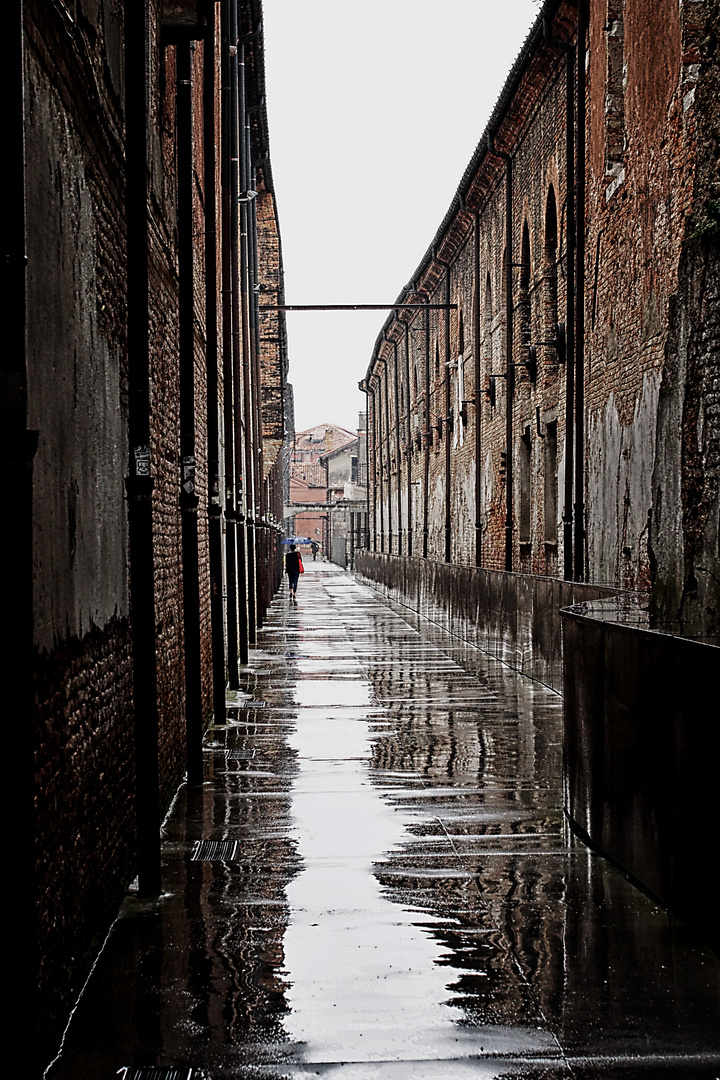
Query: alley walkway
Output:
(392,892)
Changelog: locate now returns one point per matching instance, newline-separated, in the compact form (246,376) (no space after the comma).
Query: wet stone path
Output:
(399,896)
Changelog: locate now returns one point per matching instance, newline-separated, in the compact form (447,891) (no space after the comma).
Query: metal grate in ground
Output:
(245,705)
(239,755)
(214,851)
(155,1072)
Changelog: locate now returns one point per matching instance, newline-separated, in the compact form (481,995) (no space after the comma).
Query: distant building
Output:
(307,481)
(327,465)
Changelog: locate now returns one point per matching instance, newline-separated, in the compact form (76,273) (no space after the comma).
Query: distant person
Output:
(293,569)
(314,548)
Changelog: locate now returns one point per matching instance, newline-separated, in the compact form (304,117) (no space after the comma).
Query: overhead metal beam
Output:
(355,307)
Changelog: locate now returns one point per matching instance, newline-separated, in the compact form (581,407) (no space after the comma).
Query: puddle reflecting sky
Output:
(364,981)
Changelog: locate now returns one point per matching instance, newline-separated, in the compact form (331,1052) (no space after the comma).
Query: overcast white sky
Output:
(375,108)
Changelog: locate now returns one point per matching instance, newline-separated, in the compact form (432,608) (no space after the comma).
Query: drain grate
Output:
(239,755)
(214,851)
(245,705)
(155,1072)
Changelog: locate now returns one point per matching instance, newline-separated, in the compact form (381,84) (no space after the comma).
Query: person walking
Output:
(314,549)
(293,564)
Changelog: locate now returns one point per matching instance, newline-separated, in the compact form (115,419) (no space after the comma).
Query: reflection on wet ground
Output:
(405,901)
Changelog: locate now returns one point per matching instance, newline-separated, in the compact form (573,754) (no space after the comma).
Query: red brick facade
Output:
(555,463)
(154,389)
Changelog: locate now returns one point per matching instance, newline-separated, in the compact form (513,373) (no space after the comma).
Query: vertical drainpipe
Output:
(408,434)
(262,563)
(446,421)
(188,497)
(229,240)
(255,388)
(240,466)
(387,436)
(428,427)
(510,373)
(256,397)
(246,432)
(397,447)
(139,483)
(570,319)
(579,507)
(380,458)
(478,394)
(575,193)
(375,531)
(211,347)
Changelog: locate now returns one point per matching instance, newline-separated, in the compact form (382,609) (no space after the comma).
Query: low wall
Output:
(515,617)
(641,746)
(641,735)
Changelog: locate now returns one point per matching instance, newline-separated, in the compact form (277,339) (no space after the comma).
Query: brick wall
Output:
(79,393)
(582,498)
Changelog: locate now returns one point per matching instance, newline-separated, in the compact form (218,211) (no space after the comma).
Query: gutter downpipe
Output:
(579,508)
(139,482)
(188,497)
(509,334)
(408,440)
(570,313)
(233,558)
(214,510)
(264,596)
(570,304)
(387,436)
(380,456)
(244,362)
(397,449)
(364,387)
(426,463)
(238,328)
(478,396)
(446,424)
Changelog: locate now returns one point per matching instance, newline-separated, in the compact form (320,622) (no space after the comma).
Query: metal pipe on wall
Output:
(245,410)
(448,409)
(397,447)
(214,510)
(408,435)
(380,462)
(188,496)
(478,392)
(428,428)
(139,482)
(579,501)
(570,339)
(233,558)
(510,370)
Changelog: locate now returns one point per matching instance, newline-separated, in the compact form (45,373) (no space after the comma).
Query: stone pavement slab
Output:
(402,897)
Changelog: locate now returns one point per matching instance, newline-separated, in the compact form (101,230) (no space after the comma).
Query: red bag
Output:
(300,565)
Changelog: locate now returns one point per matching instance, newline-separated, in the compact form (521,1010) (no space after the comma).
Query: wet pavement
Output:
(397,895)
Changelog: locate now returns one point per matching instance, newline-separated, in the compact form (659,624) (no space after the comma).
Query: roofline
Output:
(535,35)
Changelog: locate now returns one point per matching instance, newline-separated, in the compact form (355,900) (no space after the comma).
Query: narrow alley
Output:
(376,880)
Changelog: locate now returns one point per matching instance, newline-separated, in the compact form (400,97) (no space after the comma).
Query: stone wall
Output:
(640,750)
(515,617)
